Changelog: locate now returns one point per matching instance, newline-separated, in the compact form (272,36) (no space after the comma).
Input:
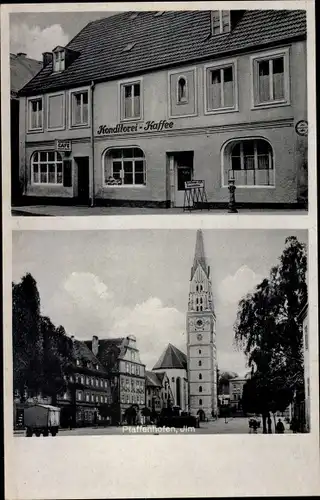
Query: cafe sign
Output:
(194,185)
(148,126)
(63,145)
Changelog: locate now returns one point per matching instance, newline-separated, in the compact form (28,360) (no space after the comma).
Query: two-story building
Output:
(141,102)
(121,359)
(158,392)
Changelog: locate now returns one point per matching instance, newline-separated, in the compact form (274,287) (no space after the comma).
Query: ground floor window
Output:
(250,162)
(124,167)
(46,167)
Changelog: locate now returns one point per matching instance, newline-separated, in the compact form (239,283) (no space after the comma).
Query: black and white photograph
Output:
(196,332)
(166,112)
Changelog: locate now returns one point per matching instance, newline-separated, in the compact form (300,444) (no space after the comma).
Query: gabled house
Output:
(141,102)
(158,392)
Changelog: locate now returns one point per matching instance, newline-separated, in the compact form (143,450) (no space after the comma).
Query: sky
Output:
(35,33)
(118,282)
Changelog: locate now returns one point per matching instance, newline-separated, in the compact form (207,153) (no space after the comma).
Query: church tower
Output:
(201,338)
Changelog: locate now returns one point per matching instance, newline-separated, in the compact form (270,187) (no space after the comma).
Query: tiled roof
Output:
(109,349)
(172,357)
(199,255)
(81,351)
(152,379)
(175,38)
(22,70)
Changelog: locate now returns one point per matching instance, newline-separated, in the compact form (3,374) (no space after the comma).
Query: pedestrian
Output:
(70,422)
(269,424)
(279,427)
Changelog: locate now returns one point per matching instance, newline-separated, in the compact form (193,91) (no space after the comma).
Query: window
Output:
(79,108)
(137,370)
(220,89)
(101,399)
(252,163)
(220,21)
(101,383)
(172,379)
(199,362)
(82,379)
(199,351)
(125,167)
(182,90)
(56,111)
(200,402)
(97,399)
(200,388)
(35,112)
(87,396)
(77,361)
(200,376)
(87,380)
(271,78)
(46,168)
(97,383)
(59,60)
(130,101)
(92,398)
(79,396)
(106,399)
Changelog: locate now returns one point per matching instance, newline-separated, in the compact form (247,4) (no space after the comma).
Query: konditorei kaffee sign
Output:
(148,126)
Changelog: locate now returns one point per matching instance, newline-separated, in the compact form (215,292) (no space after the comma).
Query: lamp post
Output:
(232,199)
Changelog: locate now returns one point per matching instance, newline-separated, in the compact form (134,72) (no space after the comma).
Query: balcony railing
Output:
(252,177)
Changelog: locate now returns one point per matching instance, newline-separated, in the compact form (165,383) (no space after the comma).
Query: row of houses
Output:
(108,382)
(141,102)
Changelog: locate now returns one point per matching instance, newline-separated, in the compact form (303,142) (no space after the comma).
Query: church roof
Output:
(199,255)
(152,379)
(171,357)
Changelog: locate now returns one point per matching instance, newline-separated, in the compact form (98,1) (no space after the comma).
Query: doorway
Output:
(202,416)
(183,172)
(83,179)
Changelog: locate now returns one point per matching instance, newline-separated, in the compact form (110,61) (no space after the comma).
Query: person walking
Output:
(279,427)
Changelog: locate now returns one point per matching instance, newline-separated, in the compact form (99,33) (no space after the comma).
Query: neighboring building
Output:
(22,70)
(121,358)
(158,391)
(138,103)
(174,363)
(236,390)
(201,338)
(303,318)
(88,387)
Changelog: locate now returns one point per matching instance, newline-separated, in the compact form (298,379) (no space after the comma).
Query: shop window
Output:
(124,167)
(220,88)
(79,108)
(250,162)
(35,114)
(271,78)
(131,101)
(182,90)
(46,168)
(220,21)
(59,60)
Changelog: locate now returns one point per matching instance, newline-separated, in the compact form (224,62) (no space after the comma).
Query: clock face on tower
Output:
(199,324)
(199,336)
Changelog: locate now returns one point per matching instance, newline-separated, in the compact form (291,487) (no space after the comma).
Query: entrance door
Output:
(83,179)
(183,173)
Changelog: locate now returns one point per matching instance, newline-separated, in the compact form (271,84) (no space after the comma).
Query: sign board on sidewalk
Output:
(194,184)
(62,145)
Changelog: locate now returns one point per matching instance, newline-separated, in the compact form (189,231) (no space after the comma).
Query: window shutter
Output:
(67,173)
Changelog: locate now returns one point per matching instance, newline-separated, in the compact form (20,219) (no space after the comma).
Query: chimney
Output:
(47,58)
(21,54)
(95,345)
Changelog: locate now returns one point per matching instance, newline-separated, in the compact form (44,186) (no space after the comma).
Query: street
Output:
(233,426)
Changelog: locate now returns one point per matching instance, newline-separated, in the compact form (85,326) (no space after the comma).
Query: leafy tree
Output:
(267,329)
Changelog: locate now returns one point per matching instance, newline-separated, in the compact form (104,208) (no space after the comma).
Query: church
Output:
(201,338)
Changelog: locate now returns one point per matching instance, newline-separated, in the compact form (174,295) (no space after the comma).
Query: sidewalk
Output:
(60,211)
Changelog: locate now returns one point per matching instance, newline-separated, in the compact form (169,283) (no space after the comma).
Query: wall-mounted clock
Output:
(199,324)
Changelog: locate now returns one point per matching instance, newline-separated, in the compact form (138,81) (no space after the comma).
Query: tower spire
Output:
(199,255)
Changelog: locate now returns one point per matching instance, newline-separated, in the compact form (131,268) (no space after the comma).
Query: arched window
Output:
(199,362)
(200,402)
(199,351)
(200,308)
(250,162)
(200,376)
(178,391)
(201,288)
(200,388)
(197,288)
(182,90)
(201,301)
(46,167)
(197,308)
(124,167)
(172,380)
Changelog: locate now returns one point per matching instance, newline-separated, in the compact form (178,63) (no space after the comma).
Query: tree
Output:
(267,329)
(42,353)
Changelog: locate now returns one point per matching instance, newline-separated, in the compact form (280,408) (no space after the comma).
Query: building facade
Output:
(236,391)
(121,358)
(201,338)
(174,363)
(133,123)
(158,392)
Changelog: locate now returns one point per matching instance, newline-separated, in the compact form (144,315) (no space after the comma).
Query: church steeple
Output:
(199,256)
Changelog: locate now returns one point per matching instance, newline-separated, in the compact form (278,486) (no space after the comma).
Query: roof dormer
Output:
(224,21)
(62,58)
